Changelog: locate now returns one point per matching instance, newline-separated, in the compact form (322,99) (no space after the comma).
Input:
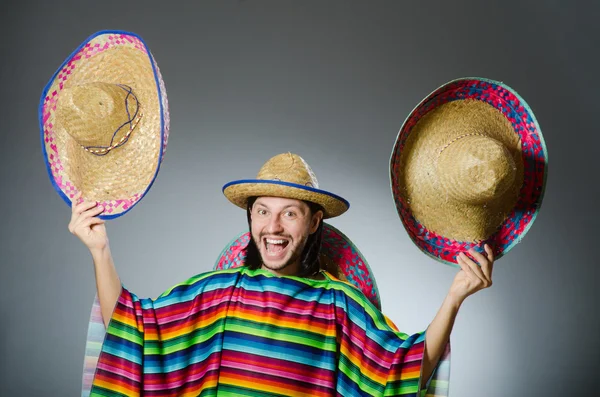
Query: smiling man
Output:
(278,325)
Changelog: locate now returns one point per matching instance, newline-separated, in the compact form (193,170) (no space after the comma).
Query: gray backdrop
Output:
(333,82)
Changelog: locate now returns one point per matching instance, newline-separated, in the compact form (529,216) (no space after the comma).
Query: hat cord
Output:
(131,120)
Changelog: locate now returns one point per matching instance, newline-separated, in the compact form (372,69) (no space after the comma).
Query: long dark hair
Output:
(309,259)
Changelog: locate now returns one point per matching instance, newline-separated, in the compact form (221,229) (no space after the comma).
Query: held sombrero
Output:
(104,122)
(468,168)
(286,175)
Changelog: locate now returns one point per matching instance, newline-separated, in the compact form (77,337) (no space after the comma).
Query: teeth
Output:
(275,241)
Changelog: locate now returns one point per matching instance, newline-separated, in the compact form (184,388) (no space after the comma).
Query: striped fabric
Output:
(242,332)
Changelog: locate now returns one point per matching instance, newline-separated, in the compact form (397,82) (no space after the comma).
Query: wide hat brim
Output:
(534,158)
(238,193)
(339,256)
(120,179)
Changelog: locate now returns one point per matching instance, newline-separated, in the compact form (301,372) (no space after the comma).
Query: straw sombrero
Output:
(104,122)
(468,168)
(286,175)
(338,256)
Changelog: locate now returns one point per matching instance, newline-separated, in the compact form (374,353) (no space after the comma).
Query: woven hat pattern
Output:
(286,175)
(94,46)
(534,158)
(335,246)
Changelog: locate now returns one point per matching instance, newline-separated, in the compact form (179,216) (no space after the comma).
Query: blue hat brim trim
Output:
(289,184)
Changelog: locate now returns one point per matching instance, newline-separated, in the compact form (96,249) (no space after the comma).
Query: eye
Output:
(290,214)
(261,212)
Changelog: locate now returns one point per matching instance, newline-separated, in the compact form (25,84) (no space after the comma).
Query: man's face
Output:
(280,228)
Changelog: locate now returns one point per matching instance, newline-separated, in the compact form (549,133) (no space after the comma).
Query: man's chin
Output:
(278,266)
(275,265)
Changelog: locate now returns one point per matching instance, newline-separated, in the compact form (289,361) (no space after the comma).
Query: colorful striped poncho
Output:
(243,332)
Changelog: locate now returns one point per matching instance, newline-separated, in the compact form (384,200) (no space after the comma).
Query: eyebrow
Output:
(292,206)
(284,208)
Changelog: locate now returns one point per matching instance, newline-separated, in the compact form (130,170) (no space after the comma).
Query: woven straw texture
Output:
(83,106)
(286,175)
(461,170)
(468,168)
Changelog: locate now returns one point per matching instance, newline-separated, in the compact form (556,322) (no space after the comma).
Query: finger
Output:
(474,267)
(77,212)
(94,211)
(463,265)
(91,213)
(92,222)
(83,206)
(478,256)
(484,264)
(490,252)
(488,268)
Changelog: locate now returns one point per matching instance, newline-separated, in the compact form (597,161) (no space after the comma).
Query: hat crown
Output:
(475,169)
(98,114)
(288,167)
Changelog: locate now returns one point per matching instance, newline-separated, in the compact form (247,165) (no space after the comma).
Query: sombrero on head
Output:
(104,122)
(468,168)
(338,256)
(286,175)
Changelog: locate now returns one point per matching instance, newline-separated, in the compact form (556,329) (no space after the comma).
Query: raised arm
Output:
(91,230)
(470,279)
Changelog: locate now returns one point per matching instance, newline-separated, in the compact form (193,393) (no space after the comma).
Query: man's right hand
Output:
(86,225)
(90,229)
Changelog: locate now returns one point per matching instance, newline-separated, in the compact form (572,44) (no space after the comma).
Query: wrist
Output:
(454,301)
(100,253)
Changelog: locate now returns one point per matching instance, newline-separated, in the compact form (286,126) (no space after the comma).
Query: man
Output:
(280,325)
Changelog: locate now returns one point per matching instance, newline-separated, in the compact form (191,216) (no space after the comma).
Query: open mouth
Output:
(275,247)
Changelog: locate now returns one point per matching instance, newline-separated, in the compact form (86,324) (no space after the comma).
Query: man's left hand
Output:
(472,277)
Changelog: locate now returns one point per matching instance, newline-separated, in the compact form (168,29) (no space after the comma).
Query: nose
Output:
(274,226)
